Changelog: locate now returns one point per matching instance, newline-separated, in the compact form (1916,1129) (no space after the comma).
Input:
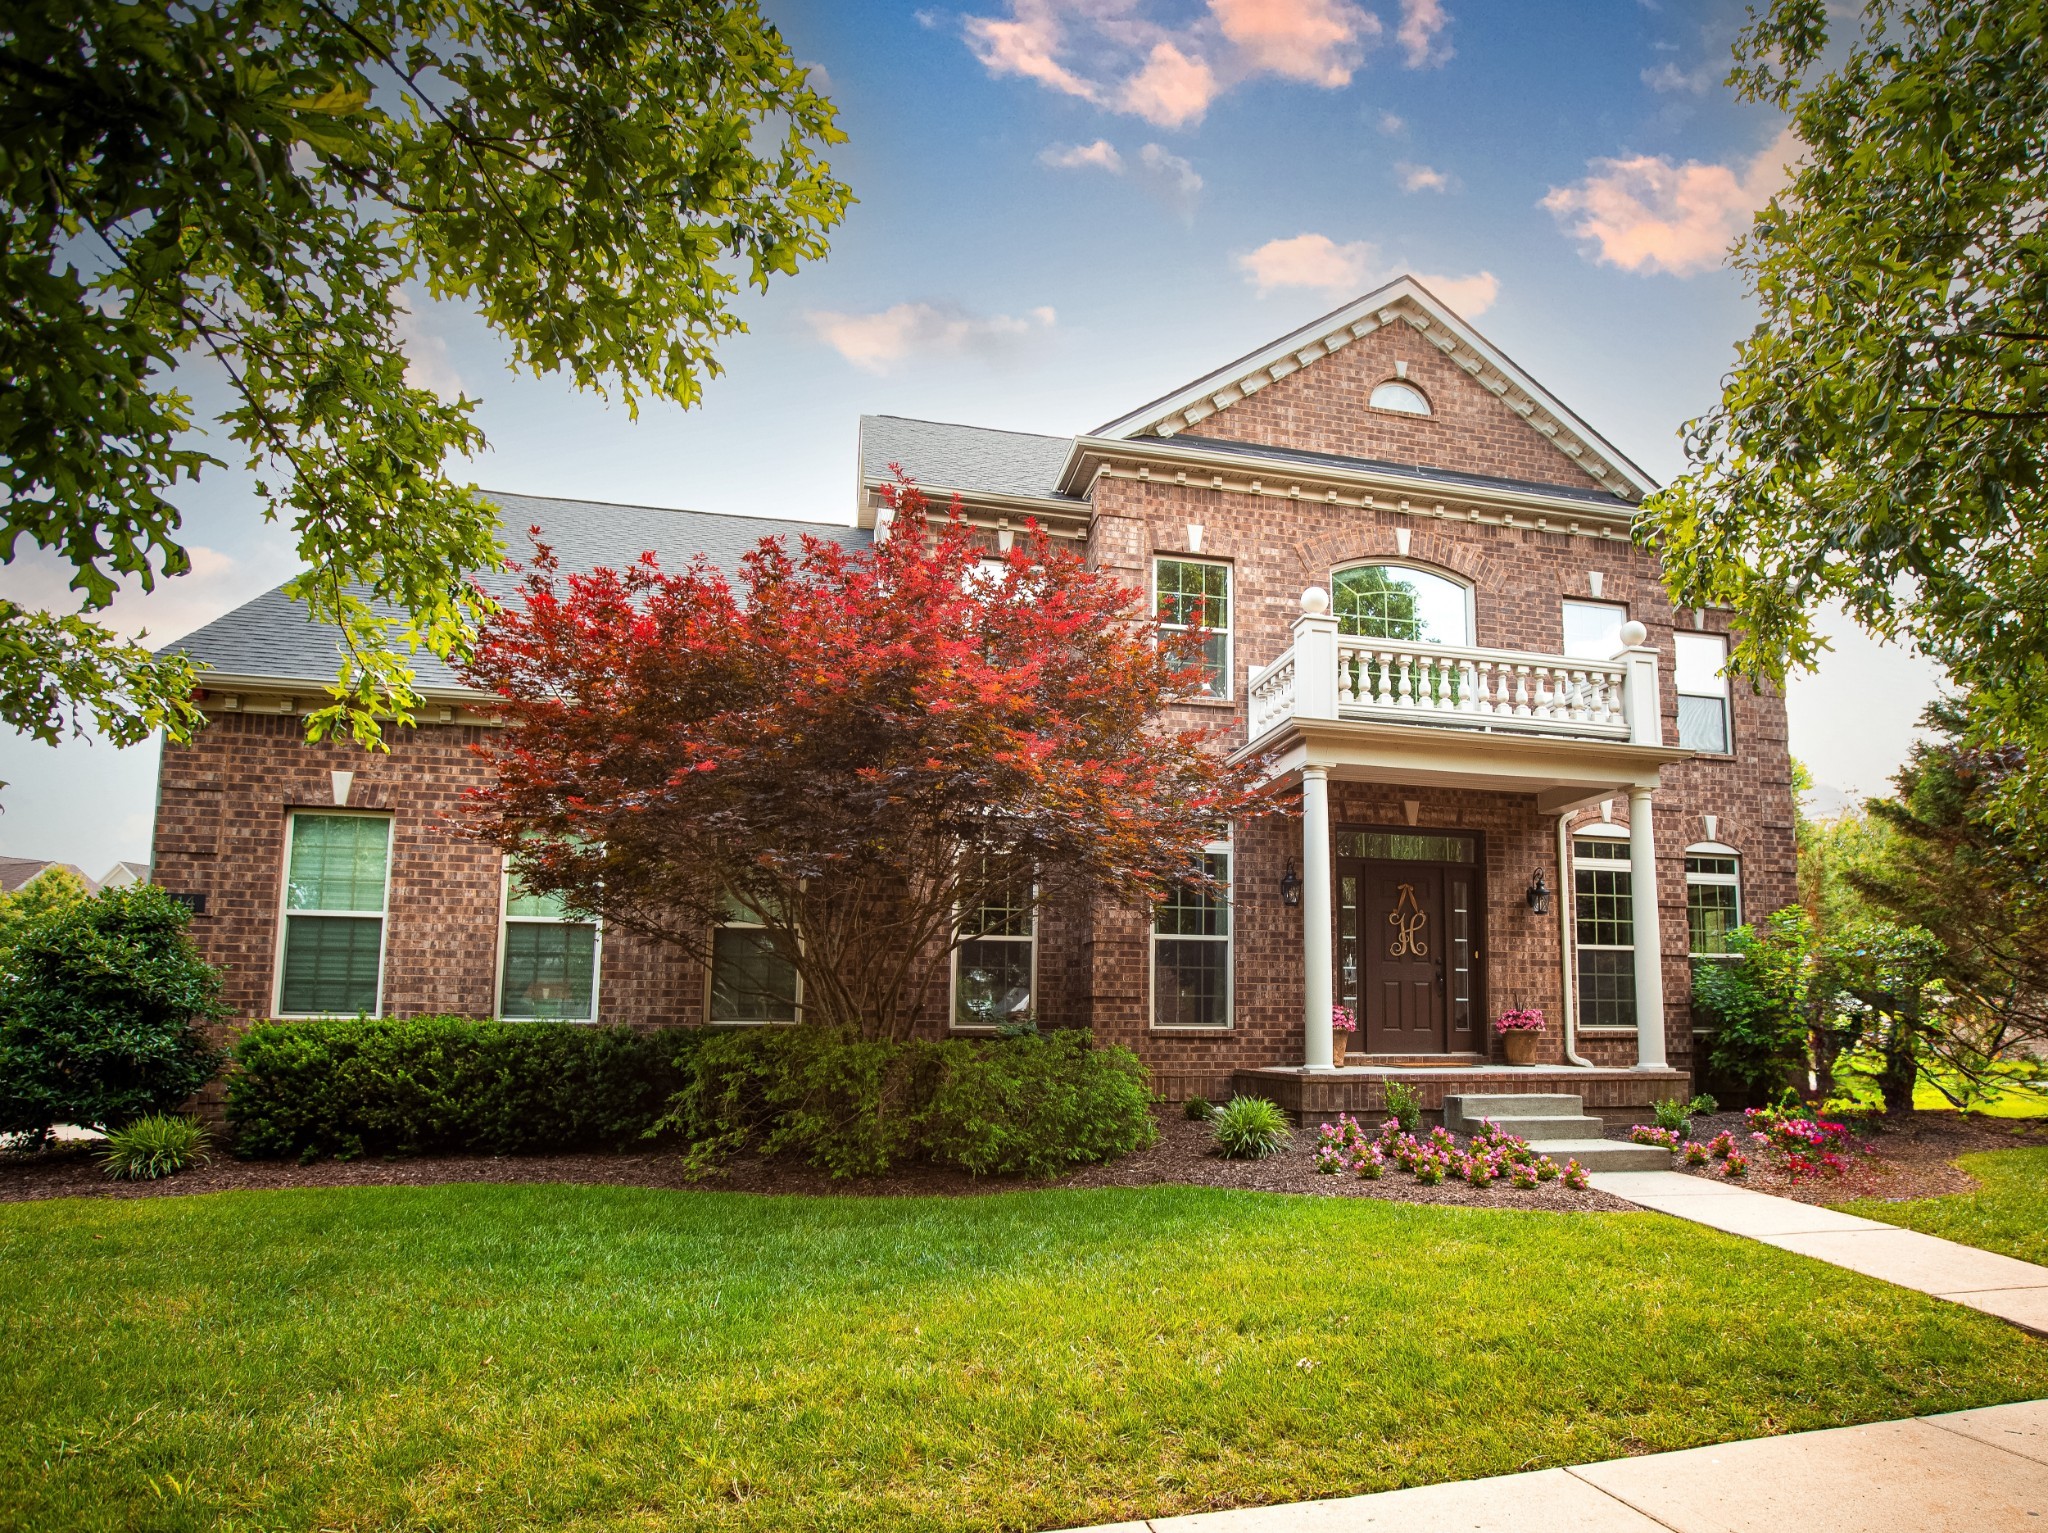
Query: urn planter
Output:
(1521,1046)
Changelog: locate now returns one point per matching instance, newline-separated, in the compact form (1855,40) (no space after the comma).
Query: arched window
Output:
(1392,601)
(1402,398)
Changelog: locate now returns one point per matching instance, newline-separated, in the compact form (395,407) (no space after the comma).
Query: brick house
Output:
(1521,779)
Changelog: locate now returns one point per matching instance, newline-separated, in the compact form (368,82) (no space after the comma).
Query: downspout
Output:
(1566,906)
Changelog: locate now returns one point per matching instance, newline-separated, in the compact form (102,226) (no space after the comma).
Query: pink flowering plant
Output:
(1343,1019)
(1523,1019)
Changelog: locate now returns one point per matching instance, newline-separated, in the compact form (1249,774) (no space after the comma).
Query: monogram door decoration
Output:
(1408,919)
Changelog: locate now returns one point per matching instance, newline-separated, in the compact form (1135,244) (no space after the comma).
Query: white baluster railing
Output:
(1486,688)
(1272,694)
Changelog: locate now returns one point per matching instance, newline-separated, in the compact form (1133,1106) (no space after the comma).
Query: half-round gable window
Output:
(1402,398)
(1396,601)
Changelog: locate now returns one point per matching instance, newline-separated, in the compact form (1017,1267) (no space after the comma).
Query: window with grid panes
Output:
(337,875)
(1605,907)
(752,979)
(1193,596)
(1191,951)
(1392,601)
(994,965)
(1703,720)
(1713,903)
(548,964)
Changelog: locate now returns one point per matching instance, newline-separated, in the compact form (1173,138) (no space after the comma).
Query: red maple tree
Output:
(853,745)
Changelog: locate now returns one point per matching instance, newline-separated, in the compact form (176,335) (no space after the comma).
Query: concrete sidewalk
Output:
(2012,1290)
(1983,1471)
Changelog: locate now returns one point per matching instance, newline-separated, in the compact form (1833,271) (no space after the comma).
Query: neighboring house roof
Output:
(122,874)
(271,638)
(17,873)
(1404,300)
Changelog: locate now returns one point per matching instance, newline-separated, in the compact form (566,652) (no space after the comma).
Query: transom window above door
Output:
(1395,601)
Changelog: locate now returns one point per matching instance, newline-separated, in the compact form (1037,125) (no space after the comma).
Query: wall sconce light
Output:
(1290,886)
(1539,895)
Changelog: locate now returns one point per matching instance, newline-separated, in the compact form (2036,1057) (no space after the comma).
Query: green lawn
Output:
(2007,1213)
(506,1357)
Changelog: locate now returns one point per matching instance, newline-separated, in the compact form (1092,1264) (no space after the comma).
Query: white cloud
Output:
(1171,178)
(1421,178)
(1320,41)
(428,364)
(1117,55)
(1318,262)
(1172,90)
(1312,261)
(1100,155)
(1393,125)
(216,583)
(877,342)
(1668,77)
(1648,214)
(1422,23)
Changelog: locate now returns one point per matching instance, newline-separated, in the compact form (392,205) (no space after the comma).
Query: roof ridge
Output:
(630,505)
(919,420)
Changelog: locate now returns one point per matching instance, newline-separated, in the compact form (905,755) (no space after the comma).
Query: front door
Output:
(1408,910)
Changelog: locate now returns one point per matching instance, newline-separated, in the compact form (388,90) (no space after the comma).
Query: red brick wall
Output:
(1323,408)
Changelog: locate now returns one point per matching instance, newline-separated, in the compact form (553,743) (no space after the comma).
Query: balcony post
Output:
(1316,962)
(1649,954)
(1640,693)
(1315,658)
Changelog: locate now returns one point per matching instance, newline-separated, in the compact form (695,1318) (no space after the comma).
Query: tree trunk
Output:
(1901,1070)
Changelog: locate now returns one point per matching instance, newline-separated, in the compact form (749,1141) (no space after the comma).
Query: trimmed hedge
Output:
(1033,1105)
(382,1086)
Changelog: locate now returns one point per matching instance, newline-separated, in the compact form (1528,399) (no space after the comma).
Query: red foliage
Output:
(855,744)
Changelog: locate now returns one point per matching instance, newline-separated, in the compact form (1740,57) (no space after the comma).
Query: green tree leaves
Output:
(247,187)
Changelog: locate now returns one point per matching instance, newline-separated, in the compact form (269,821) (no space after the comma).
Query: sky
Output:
(1069,207)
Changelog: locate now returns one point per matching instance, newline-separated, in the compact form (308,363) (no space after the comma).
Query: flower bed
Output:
(1782,1139)
(1491,1155)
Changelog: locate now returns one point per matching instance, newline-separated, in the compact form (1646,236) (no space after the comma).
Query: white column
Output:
(1642,868)
(1315,916)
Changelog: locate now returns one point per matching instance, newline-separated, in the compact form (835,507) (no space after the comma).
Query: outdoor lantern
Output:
(1539,894)
(1290,885)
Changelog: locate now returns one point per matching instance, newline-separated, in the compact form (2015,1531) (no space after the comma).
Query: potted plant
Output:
(1519,1029)
(1342,1025)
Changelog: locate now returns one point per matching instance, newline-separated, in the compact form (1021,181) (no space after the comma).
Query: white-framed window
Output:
(337,883)
(1193,595)
(1713,899)
(1603,893)
(548,960)
(1592,629)
(752,981)
(1703,721)
(1400,397)
(995,960)
(1384,600)
(1192,951)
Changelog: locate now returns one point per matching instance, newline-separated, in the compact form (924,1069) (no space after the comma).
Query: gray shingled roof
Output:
(271,636)
(964,457)
(1588,493)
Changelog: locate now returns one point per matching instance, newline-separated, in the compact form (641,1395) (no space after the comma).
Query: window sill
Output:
(1606,1032)
(1203,702)
(1199,1032)
(738,1022)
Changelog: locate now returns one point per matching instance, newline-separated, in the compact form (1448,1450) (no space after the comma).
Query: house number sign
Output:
(1408,919)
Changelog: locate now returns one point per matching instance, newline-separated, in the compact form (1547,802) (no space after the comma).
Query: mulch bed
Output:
(1181,1157)
(1913,1157)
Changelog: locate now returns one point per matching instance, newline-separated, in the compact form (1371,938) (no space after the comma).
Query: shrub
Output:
(1676,1115)
(1404,1105)
(153,1146)
(98,1013)
(1034,1104)
(1197,1108)
(1250,1128)
(396,1086)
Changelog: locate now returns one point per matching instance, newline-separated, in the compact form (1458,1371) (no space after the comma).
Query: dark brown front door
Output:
(1402,942)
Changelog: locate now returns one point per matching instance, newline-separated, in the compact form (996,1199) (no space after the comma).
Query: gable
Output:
(1310,391)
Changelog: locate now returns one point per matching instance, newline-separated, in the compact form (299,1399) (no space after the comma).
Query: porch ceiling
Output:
(1560,773)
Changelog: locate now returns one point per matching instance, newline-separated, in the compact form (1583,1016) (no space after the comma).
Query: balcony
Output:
(1325,675)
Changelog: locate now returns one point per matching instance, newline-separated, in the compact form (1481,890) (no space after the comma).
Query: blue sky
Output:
(1068,207)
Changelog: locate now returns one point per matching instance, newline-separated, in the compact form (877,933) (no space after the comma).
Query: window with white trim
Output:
(1713,902)
(547,959)
(1592,629)
(1191,950)
(1396,601)
(995,962)
(1193,596)
(1402,398)
(752,979)
(1703,720)
(1604,894)
(337,883)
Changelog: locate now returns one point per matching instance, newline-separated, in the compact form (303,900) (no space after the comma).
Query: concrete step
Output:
(1606,1154)
(1469,1108)
(1543,1130)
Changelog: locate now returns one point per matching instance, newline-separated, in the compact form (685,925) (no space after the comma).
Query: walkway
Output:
(1983,1471)
(1998,1285)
